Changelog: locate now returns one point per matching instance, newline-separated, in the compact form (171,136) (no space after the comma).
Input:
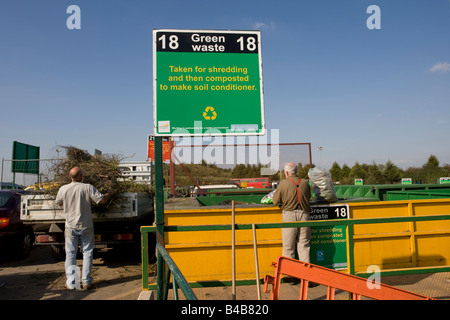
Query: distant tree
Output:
(358,171)
(239,171)
(336,172)
(392,173)
(253,171)
(345,175)
(431,170)
(345,170)
(416,174)
(446,170)
(375,174)
(432,163)
(389,172)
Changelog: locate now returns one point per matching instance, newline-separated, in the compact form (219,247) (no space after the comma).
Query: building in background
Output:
(138,171)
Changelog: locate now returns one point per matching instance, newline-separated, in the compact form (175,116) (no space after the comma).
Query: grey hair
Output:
(290,167)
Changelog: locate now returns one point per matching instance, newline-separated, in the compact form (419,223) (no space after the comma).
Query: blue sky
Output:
(364,95)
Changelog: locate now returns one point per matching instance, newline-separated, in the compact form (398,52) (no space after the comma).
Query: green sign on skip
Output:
(329,243)
(207,82)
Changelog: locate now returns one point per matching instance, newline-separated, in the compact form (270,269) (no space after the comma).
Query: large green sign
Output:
(207,82)
(21,155)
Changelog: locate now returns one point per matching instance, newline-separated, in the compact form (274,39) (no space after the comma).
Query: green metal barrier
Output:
(219,200)
(348,223)
(221,196)
(379,192)
(177,277)
(172,270)
(417,194)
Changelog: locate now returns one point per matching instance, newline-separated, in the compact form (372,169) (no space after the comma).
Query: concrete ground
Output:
(118,276)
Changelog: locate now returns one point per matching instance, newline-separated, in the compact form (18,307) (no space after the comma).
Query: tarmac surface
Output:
(117,276)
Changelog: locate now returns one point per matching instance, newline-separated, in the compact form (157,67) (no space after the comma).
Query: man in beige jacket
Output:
(293,196)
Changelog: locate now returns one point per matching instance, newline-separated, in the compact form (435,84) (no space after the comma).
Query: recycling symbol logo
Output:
(209,113)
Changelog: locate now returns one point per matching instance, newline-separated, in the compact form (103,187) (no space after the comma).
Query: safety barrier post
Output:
(350,250)
(233,253)
(144,255)
(159,206)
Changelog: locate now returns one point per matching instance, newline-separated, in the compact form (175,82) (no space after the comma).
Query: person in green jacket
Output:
(293,196)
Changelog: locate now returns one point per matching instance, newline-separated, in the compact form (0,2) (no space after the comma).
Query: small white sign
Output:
(444,180)
(164,126)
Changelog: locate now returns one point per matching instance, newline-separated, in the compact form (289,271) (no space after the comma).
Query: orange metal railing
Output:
(333,279)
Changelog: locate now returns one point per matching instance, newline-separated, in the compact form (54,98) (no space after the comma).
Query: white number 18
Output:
(173,41)
(341,213)
(251,43)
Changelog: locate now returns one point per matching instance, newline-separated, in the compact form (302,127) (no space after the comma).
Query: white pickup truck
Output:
(118,226)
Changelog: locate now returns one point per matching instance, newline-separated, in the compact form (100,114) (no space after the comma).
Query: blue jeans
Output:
(86,237)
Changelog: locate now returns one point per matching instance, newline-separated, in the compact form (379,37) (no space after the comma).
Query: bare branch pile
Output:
(102,171)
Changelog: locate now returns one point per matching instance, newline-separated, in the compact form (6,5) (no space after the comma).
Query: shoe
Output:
(68,288)
(87,286)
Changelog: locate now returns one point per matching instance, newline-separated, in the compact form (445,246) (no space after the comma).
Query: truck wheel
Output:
(25,245)
(58,252)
